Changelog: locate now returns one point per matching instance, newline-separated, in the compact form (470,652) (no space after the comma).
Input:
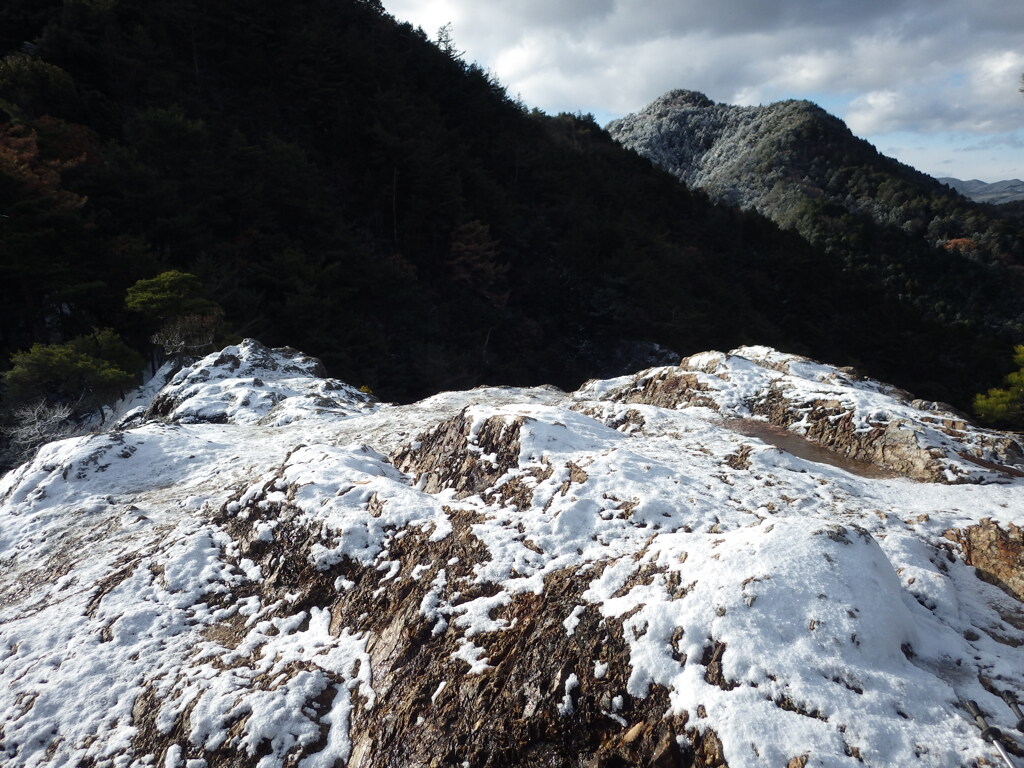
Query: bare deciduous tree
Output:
(188,335)
(35,424)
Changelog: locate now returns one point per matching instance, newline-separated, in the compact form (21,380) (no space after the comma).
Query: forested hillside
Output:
(339,183)
(958,261)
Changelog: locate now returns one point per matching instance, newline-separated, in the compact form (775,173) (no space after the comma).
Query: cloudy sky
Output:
(931,82)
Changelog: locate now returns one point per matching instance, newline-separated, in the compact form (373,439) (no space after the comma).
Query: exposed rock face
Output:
(859,419)
(508,577)
(463,455)
(998,554)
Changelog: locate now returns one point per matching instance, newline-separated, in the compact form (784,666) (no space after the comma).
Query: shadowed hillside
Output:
(959,262)
(341,184)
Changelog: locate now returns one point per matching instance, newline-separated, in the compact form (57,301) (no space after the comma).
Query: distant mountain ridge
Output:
(803,168)
(996,192)
(770,157)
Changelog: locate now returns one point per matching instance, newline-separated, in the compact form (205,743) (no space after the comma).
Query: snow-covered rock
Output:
(858,419)
(699,564)
(251,383)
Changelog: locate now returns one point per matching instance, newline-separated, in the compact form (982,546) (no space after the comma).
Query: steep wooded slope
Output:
(802,167)
(340,183)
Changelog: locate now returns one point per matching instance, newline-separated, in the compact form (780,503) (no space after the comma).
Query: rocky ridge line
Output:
(610,577)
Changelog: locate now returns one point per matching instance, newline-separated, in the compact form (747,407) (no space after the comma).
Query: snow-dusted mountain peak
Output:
(724,149)
(681,97)
(274,570)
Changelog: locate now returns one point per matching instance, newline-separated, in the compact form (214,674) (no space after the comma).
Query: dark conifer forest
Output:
(339,183)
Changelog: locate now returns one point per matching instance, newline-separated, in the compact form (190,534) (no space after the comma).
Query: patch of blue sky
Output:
(959,155)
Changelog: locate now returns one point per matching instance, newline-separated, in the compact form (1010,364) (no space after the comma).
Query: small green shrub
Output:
(1004,406)
(84,373)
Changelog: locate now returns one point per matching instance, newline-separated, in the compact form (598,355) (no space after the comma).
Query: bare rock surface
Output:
(856,418)
(997,553)
(619,576)
(248,381)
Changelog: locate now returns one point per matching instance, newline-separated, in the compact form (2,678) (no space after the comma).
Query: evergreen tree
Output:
(186,323)
(84,374)
(1004,406)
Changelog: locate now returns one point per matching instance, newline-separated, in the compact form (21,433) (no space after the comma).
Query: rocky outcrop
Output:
(997,553)
(506,577)
(837,409)
(247,383)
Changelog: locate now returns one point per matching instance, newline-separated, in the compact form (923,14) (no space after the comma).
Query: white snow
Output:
(474,656)
(839,618)
(566,707)
(573,619)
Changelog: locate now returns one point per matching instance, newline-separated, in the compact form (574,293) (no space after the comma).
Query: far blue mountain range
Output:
(997,192)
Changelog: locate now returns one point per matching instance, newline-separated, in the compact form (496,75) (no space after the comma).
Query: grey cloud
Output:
(546,13)
(900,64)
(1002,141)
(635,20)
(629,22)
(997,15)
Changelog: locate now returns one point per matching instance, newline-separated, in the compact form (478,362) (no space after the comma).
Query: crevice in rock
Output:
(454,456)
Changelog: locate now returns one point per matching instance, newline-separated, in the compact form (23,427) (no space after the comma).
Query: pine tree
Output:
(85,373)
(1004,406)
